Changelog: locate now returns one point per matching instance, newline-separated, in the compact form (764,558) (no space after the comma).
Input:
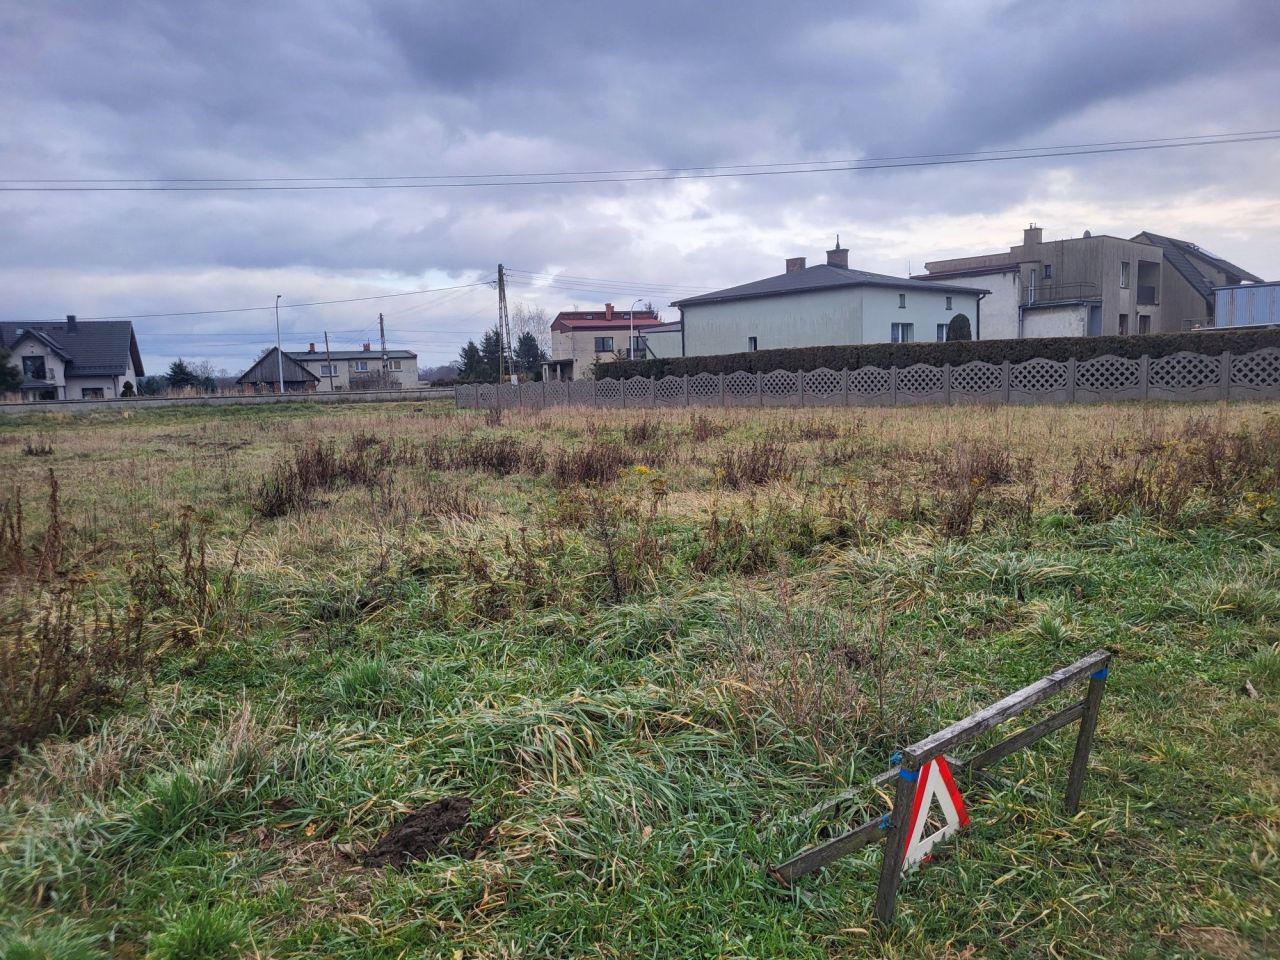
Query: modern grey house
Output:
(74,359)
(824,305)
(1091,285)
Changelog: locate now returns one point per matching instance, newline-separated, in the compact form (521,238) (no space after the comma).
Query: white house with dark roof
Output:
(73,359)
(323,370)
(824,305)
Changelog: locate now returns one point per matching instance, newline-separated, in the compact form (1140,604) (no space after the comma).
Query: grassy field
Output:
(237,647)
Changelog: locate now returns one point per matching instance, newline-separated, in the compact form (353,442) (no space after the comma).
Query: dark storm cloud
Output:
(239,89)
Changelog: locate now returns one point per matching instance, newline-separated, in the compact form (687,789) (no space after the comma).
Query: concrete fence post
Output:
(1224,375)
(799,388)
(759,389)
(1004,381)
(684,389)
(720,383)
(893,385)
(946,384)
(1144,376)
(1071,380)
(844,386)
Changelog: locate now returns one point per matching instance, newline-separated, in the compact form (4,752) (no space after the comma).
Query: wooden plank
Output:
(1025,737)
(817,857)
(895,844)
(1084,742)
(976,723)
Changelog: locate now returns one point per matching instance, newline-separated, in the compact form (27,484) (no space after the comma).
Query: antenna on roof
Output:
(837,241)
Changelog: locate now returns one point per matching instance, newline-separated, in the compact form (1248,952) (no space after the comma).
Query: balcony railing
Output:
(1047,291)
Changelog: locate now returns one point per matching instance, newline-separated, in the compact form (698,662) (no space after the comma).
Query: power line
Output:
(688,173)
(283,306)
(1191,140)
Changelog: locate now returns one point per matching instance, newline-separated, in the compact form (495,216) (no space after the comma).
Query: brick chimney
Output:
(364,347)
(71,323)
(839,256)
(608,311)
(311,347)
(1032,236)
(795,264)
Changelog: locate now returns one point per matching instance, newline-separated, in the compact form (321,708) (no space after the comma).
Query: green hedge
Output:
(954,352)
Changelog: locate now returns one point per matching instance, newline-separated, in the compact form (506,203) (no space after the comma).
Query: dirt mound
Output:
(440,829)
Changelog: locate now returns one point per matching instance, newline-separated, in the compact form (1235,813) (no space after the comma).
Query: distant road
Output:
(151,403)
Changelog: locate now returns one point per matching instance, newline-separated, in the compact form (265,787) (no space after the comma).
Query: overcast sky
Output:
(349,88)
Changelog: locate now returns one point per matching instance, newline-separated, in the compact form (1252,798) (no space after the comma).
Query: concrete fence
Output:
(231,400)
(1179,376)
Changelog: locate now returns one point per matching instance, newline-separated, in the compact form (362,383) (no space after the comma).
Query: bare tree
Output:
(532,319)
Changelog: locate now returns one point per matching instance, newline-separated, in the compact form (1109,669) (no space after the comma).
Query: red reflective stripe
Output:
(956,799)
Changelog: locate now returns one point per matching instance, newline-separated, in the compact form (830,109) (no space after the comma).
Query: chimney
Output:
(608,311)
(839,257)
(364,347)
(1032,236)
(795,264)
(71,323)
(311,347)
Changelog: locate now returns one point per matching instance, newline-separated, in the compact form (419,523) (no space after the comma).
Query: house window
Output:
(91,393)
(948,303)
(1048,271)
(604,344)
(1144,323)
(902,301)
(393,364)
(753,344)
(360,365)
(903,332)
(328,369)
(33,368)
(942,331)
(1124,324)
(1124,274)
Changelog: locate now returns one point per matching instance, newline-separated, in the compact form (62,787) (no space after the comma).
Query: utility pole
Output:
(505,347)
(279,353)
(382,333)
(329,357)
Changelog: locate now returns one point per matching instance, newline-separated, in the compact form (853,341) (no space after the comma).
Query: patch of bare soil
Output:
(440,829)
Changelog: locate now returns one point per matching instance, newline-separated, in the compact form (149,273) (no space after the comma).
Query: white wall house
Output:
(824,305)
(73,360)
(582,338)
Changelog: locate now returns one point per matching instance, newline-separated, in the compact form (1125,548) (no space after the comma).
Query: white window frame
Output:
(328,369)
(360,366)
(902,301)
(753,344)
(1125,274)
(600,344)
(942,332)
(902,332)
(948,306)
(393,364)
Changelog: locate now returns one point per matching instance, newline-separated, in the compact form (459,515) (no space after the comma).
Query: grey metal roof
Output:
(266,370)
(96,348)
(820,277)
(1176,254)
(349,355)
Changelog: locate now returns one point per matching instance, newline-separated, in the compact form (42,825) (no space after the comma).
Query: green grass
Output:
(646,760)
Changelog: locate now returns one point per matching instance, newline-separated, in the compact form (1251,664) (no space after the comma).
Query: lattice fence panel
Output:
(740,388)
(1257,372)
(780,388)
(637,390)
(465,396)
(531,395)
(582,391)
(669,391)
(824,387)
(704,388)
(1109,375)
(1038,376)
(488,394)
(1184,374)
(919,381)
(609,392)
(867,383)
(557,393)
(977,379)
(509,395)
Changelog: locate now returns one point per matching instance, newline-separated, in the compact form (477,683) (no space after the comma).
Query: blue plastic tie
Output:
(884,823)
(1101,674)
(895,758)
(908,775)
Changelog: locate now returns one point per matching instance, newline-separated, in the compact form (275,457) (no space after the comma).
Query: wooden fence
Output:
(892,827)
(1179,376)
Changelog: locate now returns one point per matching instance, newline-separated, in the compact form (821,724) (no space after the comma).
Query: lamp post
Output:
(631,344)
(279,355)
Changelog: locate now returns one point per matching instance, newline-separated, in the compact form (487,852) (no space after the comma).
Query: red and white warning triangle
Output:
(935,785)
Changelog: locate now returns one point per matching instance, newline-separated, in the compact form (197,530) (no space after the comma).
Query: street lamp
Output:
(631,346)
(279,355)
